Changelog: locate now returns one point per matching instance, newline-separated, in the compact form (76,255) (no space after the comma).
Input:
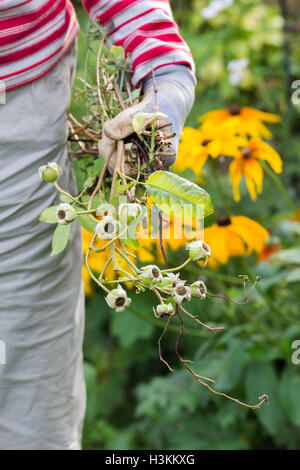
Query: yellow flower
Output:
(243,120)
(208,141)
(234,236)
(247,163)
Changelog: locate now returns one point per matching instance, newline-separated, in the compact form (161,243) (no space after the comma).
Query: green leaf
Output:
(290,394)
(233,366)
(94,170)
(264,352)
(49,215)
(291,255)
(65,198)
(172,194)
(87,223)
(133,243)
(60,238)
(130,328)
(261,378)
(293,276)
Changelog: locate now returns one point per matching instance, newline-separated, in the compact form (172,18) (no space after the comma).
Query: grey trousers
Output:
(42,392)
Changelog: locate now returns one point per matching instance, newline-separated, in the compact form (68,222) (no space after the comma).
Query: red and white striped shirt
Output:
(35,34)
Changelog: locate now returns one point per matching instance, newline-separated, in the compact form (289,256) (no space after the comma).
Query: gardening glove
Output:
(175,86)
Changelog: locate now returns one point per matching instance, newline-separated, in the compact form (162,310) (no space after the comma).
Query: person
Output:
(42,391)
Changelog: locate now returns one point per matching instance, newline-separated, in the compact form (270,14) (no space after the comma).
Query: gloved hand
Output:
(176,90)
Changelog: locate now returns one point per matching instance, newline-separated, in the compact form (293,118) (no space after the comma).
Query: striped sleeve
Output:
(146,30)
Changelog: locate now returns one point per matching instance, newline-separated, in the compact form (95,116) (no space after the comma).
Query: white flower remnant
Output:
(151,274)
(199,290)
(181,292)
(236,70)
(107,228)
(174,278)
(65,213)
(214,8)
(118,299)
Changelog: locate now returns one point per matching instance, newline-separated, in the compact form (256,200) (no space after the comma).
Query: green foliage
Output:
(173,193)
(49,215)
(60,238)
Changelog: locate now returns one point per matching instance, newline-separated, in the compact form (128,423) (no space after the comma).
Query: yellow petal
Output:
(254,176)
(216,238)
(235,175)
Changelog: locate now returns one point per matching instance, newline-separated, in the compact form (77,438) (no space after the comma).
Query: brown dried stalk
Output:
(200,379)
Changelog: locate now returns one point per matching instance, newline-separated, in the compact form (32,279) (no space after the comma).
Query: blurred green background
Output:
(133,401)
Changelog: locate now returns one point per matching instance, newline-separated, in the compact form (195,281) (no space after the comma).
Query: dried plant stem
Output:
(200,379)
(98,76)
(159,345)
(194,317)
(100,178)
(120,150)
(246,302)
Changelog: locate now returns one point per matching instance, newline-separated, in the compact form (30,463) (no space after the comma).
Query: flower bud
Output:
(164,310)
(50,172)
(198,289)
(198,250)
(117,299)
(181,292)
(65,213)
(107,228)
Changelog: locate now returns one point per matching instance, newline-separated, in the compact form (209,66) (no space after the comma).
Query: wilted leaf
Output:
(118,53)
(141,120)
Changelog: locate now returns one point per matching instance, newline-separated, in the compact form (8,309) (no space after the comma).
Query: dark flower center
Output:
(109,228)
(202,289)
(246,153)
(120,301)
(205,247)
(181,290)
(206,142)
(235,110)
(223,220)
(61,214)
(155,272)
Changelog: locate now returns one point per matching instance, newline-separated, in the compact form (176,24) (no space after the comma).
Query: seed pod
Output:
(198,250)
(50,172)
